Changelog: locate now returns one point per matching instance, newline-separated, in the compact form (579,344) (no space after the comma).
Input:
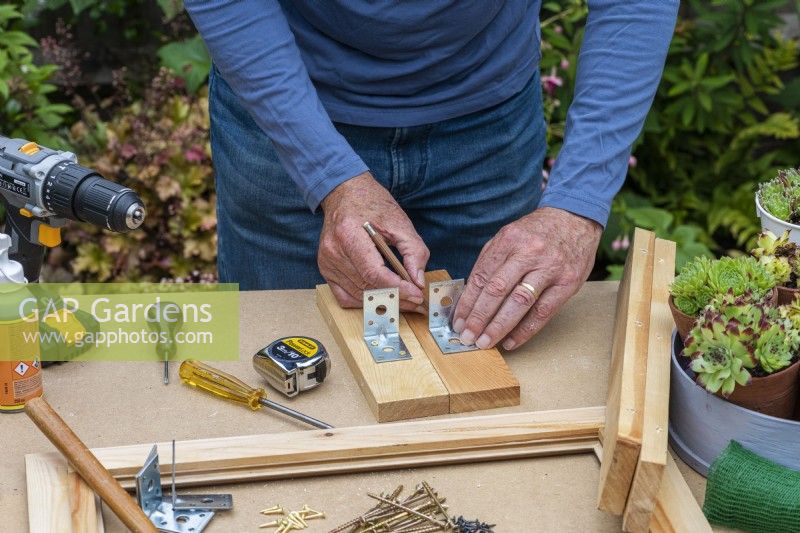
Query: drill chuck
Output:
(79,193)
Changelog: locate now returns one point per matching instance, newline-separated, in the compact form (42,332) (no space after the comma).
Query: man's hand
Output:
(551,251)
(347,257)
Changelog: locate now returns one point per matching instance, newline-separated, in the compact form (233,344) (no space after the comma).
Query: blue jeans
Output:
(459,181)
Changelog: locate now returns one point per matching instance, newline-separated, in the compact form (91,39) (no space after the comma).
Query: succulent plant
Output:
(775,347)
(702,279)
(780,196)
(792,312)
(780,268)
(779,256)
(719,359)
(690,289)
(736,338)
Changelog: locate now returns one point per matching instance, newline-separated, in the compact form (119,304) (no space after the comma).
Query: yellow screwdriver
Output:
(200,375)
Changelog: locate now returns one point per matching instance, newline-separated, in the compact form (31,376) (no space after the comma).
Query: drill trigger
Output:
(48,235)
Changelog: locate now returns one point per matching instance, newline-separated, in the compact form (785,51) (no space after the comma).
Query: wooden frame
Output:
(59,501)
(655,493)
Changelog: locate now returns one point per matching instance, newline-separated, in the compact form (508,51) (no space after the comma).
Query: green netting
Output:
(751,493)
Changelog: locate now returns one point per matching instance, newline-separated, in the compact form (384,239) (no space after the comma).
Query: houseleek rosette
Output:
(736,336)
(779,256)
(780,196)
(775,347)
(719,359)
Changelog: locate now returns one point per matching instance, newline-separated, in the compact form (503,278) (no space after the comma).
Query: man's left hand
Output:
(551,252)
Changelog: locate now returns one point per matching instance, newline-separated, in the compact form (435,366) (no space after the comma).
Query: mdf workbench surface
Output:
(111,404)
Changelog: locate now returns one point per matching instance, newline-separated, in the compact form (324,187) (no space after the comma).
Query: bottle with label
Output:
(20,379)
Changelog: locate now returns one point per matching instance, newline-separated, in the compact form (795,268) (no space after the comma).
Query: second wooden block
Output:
(475,380)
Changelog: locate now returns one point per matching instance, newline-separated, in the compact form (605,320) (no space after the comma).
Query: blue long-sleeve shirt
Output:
(298,65)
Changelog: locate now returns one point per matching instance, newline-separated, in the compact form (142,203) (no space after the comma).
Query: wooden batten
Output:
(677,511)
(622,435)
(654,448)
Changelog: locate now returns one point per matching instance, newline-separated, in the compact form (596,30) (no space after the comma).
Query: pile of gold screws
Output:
(292,520)
(421,512)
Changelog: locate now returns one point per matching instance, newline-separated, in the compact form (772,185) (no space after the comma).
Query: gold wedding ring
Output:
(530,288)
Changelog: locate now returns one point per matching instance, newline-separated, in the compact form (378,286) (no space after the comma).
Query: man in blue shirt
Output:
(424,118)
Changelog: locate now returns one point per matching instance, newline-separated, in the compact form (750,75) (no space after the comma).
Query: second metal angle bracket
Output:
(442,299)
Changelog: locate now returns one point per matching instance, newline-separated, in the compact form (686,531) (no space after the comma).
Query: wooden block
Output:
(85,507)
(475,380)
(653,456)
(48,495)
(397,390)
(622,435)
(676,509)
(59,501)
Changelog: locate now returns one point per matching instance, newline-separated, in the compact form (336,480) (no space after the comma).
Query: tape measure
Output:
(293,364)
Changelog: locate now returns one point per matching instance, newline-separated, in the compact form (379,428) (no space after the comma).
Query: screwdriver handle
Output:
(200,375)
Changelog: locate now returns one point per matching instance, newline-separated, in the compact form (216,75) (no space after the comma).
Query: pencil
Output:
(394,262)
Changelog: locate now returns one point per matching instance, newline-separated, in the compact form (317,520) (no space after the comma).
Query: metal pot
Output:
(701,424)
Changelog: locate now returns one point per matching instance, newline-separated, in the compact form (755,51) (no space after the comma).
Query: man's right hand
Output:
(347,257)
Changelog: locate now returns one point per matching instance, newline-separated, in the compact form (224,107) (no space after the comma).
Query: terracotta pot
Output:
(774,395)
(683,322)
(786,295)
(773,298)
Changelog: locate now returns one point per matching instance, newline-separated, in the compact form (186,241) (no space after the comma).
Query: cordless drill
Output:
(43,188)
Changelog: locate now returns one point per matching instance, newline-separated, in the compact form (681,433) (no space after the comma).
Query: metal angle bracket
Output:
(191,513)
(442,299)
(382,325)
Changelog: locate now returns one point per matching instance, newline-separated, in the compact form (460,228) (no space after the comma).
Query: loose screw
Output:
(309,513)
(297,519)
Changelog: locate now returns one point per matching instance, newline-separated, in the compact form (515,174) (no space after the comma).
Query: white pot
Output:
(776,225)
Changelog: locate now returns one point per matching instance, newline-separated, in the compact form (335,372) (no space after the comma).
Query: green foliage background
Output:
(725,118)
